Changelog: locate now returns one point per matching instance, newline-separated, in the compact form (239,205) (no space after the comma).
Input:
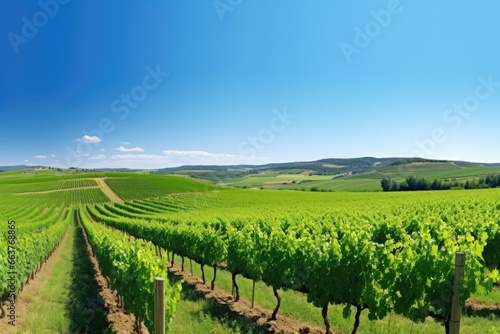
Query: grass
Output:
(295,305)
(197,315)
(66,300)
(85,306)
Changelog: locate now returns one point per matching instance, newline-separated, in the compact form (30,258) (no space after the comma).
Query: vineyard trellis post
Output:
(253,294)
(159,322)
(456,311)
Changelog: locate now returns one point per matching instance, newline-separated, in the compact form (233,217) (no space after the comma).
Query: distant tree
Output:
(411,182)
(386,184)
(399,186)
(422,184)
(436,184)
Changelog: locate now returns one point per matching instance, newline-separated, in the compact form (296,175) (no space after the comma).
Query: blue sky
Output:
(150,84)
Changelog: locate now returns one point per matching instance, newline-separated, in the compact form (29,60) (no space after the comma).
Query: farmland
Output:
(369,181)
(367,261)
(362,174)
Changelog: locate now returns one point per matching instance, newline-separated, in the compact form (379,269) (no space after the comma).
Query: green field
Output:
(368,181)
(343,249)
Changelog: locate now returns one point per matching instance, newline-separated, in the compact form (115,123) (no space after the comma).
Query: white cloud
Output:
(125,142)
(168,158)
(90,139)
(127,150)
(26,161)
(98,157)
(40,156)
(53,156)
(102,150)
(203,157)
(138,158)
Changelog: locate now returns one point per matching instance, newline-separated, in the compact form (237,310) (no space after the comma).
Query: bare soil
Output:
(113,197)
(480,306)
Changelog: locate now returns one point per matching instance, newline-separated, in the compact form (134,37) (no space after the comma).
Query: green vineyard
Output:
(367,258)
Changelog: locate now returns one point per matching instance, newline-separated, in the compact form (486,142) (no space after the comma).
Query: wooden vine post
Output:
(456,311)
(159,322)
(253,294)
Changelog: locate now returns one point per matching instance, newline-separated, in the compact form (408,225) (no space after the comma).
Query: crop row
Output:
(131,266)
(382,267)
(24,253)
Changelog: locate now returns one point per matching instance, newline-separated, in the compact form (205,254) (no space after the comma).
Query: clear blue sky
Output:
(152,84)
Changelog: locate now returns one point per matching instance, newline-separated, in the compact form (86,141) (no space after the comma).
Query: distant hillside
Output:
(20,167)
(125,170)
(321,167)
(356,174)
(216,173)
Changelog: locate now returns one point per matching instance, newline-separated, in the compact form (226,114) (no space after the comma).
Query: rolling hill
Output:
(356,174)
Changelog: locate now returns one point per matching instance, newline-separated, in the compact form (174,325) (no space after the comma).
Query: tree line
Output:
(412,183)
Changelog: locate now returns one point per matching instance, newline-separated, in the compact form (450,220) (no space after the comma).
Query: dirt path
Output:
(481,309)
(23,299)
(260,315)
(113,197)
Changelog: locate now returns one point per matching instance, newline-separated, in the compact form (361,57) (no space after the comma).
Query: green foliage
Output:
(131,266)
(379,252)
(394,256)
(28,252)
(412,183)
(141,186)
